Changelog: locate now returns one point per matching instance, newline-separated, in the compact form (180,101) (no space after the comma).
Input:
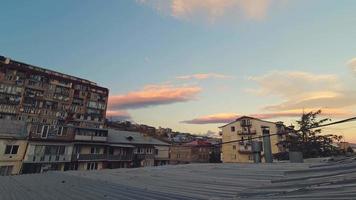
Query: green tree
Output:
(309,139)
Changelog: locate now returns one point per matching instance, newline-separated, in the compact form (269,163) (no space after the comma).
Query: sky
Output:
(193,65)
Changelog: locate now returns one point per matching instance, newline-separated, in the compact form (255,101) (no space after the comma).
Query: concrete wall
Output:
(231,154)
(163,152)
(12,160)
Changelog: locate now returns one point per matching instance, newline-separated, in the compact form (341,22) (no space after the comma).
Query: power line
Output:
(283,133)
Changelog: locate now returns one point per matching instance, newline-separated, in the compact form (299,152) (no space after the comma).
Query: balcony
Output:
(47,158)
(89,157)
(119,157)
(251,132)
(247,150)
(91,138)
(145,156)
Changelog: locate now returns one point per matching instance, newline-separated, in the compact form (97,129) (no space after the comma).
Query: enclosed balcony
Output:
(91,134)
(89,157)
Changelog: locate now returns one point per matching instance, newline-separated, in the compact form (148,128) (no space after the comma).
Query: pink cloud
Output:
(152,95)
(118,115)
(204,76)
(229,117)
(210,10)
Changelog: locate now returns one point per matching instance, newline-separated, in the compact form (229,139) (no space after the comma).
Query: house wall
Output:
(12,160)
(231,154)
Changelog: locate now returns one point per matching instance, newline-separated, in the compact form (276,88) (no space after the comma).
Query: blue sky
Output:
(233,54)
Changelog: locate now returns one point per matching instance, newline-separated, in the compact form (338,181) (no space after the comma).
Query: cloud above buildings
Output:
(223,118)
(150,95)
(203,76)
(304,90)
(211,10)
(352,64)
(118,115)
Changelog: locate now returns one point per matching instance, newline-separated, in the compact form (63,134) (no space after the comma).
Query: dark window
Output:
(156,151)
(14,149)
(8,149)
(11,149)
(233,128)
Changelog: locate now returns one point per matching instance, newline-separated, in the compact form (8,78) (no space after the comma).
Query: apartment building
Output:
(198,151)
(63,112)
(13,143)
(246,128)
(143,147)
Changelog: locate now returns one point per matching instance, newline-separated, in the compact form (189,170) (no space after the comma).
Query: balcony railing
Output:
(85,157)
(100,157)
(119,157)
(91,138)
(145,156)
(47,158)
(245,150)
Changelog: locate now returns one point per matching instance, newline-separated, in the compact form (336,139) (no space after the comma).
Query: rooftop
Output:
(331,180)
(128,137)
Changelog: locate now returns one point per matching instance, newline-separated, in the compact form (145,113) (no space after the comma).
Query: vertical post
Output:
(256,147)
(267,144)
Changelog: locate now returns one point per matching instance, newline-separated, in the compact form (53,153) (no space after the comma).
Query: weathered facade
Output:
(13,144)
(246,128)
(60,109)
(144,151)
(198,151)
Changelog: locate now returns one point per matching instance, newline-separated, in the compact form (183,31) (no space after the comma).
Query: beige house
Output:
(162,154)
(13,145)
(246,128)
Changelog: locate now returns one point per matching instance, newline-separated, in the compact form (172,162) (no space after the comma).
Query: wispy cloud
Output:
(352,64)
(220,118)
(118,115)
(153,95)
(211,9)
(204,76)
(304,90)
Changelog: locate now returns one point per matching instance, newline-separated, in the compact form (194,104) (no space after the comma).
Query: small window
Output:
(232,128)
(44,131)
(11,149)
(156,151)
(234,147)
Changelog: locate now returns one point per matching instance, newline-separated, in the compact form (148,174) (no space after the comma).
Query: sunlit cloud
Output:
(352,64)
(118,115)
(222,118)
(204,76)
(212,9)
(304,90)
(153,95)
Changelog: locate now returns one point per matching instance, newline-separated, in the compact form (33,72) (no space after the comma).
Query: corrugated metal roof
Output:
(128,137)
(334,180)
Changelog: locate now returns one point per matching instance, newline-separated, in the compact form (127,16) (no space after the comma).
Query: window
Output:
(232,128)
(60,130)
(234,147)
(6,170)
(156,151)
(95,150)
(11,149)
(92,166)
(44,131)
